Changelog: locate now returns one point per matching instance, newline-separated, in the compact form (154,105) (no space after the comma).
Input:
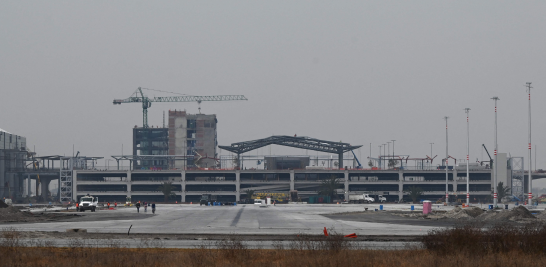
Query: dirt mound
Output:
(457,213)
(3,205)
(519,213)
(474,211)
(12,214)
(541,215)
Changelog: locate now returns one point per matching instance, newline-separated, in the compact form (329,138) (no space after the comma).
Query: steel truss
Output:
(518,174)
(292,141)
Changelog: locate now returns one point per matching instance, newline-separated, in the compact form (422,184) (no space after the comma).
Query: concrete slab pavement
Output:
(241,219)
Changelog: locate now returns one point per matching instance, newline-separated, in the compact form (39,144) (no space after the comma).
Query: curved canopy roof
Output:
(291,141)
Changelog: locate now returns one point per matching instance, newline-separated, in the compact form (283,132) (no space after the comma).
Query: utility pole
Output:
(388,154)
(530,176)
(379,161)
(467,110)
(393,155)
(496,162)
(384,154)
(447,165)
(431,150)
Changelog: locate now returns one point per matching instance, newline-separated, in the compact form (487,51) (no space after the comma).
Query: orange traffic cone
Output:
(325,232)
(353,235)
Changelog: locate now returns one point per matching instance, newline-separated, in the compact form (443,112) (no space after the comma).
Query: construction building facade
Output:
(195,136)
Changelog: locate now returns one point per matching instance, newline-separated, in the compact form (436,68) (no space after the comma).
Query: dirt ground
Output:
(13,214)
(242,237)
(453,217)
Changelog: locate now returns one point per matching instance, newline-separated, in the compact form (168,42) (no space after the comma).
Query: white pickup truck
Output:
(88,203)
(381,198)
(361,198)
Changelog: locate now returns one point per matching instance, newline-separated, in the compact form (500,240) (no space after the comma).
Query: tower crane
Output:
(139,97)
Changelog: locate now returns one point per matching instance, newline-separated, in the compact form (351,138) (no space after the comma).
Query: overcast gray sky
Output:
(358,71)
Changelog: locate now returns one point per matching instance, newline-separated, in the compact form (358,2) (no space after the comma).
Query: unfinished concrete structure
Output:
(150,141)
(193,135)
(13,155)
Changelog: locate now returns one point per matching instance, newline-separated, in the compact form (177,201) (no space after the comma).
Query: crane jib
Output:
(147,102)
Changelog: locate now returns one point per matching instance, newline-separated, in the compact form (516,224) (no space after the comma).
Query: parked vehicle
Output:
(206,198)
(360,198)
(381,199)
(88,203)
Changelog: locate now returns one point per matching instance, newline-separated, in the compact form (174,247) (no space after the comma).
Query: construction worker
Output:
(153,207)
(115,204)
(138,206)
(108,204)
(145,206)
(77,206)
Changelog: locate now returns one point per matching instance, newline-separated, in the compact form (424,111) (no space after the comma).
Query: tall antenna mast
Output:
(447,165)
(496,163)
(467,110)
(530,176)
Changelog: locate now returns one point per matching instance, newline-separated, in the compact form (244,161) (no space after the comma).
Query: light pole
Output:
(467,110)
(530,176)
(388,154)
(379,161)
(384,152)
(447,165)
(431,150)
(393,155)
(496,163)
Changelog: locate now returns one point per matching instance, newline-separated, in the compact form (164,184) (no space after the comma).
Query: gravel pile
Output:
(541,215)
(519,213)
(457,213)
(13,214)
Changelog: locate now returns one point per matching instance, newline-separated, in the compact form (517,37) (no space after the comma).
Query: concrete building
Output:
(150,141)
(285,163)
(230,185)
(193,135)
(13,155)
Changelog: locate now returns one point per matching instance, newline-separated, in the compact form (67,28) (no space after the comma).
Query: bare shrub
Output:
(501,238)
(11,238)
(233,249)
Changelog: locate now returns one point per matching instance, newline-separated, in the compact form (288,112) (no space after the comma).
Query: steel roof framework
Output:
(292,141)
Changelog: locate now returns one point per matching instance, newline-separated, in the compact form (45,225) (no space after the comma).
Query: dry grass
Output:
(307,251)
(474,239)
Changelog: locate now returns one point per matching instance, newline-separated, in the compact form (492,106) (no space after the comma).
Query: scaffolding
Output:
(518,174)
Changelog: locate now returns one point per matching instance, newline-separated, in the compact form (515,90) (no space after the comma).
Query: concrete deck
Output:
(241,219)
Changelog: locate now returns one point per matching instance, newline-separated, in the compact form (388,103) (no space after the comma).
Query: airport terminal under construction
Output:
(184,153)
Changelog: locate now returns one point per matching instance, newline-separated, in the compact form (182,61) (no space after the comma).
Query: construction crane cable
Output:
(164,91)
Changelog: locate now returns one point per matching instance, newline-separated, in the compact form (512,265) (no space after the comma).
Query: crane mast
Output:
(139,97)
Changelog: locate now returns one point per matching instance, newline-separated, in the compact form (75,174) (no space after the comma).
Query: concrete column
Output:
(44,187)
(238,185)
(292,179)
(346,183)
(74,185)
(129,183)
(400,185)
(455,182)
(28,185)
(183,186)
